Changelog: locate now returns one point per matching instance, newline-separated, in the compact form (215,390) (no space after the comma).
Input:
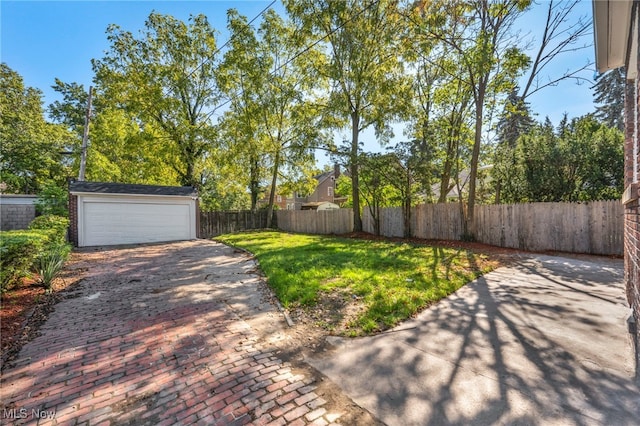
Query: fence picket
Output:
(223,222)
(594,227)
(316,222)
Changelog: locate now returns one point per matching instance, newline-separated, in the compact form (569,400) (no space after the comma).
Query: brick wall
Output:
(631,201)
(16,212)
(73,220)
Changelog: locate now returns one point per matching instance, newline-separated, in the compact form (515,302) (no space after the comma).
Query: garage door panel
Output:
(106,223)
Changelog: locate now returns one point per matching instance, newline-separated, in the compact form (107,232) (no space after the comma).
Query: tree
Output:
(71,110)
(479,33)
(223,185)
(239,75)
(609,97)
(52,200)
(240,152)
(515,121)
(375,190)
(561,34)
(120,149)
(594,158)
(406,169)
(30,147)
(581,160)
(364,69)
(439,121)
(270,84)
(166,78)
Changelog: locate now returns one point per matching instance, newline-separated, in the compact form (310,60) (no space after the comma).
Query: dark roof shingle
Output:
(132,189)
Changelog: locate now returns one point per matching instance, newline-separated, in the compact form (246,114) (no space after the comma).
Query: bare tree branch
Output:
(559,37)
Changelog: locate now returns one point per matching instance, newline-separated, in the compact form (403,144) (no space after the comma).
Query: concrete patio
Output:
(543,341)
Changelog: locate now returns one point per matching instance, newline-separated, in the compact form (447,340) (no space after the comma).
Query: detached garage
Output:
(115,213)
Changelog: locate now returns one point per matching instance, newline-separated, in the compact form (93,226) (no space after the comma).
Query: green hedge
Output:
(20,250)
(55,226)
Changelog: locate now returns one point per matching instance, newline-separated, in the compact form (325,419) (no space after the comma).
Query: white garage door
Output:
(134,220)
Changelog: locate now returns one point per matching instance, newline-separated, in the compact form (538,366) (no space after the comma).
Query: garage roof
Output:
(132,189)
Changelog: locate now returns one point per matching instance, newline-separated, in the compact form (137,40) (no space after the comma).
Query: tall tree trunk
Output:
(375,216)
(254,182)
(452,150)
(406,206)
(498,192)
(470,229)
(355,184)
(272,196)
(445,186)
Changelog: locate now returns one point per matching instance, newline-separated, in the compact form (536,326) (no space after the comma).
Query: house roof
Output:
(323,176)
(615,41)
(131,189)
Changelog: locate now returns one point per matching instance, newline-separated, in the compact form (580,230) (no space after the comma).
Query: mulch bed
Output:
(502,254)
(25,307)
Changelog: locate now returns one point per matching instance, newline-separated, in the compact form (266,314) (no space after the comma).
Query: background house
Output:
(324,192)
(279,201)
(617,44)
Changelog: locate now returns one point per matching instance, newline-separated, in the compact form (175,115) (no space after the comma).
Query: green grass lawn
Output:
(392,281)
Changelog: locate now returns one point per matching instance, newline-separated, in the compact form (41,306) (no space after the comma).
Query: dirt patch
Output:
(335,311)
(332,315)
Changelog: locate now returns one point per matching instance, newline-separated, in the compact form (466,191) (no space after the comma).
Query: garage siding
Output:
(133,220)
(112,220)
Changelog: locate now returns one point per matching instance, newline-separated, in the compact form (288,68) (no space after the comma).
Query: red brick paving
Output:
(149,339)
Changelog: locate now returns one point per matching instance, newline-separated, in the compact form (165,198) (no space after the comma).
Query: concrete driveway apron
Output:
(160,334)
(543,341)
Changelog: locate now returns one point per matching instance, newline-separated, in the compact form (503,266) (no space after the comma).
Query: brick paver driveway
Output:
(160,334)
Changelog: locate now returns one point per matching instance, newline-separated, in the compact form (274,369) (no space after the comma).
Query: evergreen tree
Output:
(515,121)
(609,97)
(580,160)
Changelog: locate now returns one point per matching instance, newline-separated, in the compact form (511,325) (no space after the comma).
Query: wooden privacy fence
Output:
(316,222)
(218,223)
(595,227)
(430,221)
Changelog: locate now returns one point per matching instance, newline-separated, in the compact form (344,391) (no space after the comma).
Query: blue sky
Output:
(44,40)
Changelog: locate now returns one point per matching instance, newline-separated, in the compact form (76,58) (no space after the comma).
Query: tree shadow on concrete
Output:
(518,346)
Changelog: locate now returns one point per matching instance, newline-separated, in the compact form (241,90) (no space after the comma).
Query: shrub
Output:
(56,225)
(50,263)
(22,251)
(18,251)
(52,200)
